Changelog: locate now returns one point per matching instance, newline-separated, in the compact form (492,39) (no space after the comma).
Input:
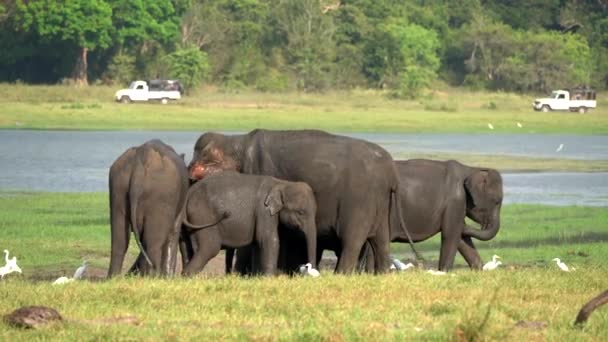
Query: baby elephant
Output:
(148,187)
(232,210)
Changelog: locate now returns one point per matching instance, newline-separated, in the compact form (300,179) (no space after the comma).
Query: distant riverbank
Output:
(439,111)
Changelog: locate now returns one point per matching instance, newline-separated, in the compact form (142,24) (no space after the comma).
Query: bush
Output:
(189,65)
(121,69)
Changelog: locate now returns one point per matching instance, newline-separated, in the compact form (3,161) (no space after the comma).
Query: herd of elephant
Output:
(278,199)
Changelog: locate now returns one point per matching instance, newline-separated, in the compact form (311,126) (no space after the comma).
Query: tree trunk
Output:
(80,69)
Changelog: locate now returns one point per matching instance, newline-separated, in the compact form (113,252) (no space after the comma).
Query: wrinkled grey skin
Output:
(353,181)
(437,195)
(246,210)
(148,187)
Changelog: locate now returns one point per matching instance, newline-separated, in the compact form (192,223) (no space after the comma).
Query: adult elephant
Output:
(436,196)
(352,181)
(148,187)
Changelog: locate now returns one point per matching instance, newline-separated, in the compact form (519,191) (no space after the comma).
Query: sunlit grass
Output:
(51,233)
(452,110)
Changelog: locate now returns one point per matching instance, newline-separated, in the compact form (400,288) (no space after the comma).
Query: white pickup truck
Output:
(575,100)
(158,90)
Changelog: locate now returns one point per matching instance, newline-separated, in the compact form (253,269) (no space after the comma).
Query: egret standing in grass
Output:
(492,265)
(308,270)
(80,270)
(561,265)
(10,267)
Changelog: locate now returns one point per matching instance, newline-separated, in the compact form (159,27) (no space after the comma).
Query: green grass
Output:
(453,110)
(51,233)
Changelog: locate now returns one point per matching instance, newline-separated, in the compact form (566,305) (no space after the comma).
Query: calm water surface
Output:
(75,161)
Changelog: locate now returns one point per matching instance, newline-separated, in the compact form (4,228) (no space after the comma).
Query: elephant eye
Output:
(301,212)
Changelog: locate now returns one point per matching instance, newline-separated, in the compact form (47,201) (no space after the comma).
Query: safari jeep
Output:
(579,99)
(159,90)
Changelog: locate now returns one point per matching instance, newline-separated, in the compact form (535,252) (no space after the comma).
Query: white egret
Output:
(398,265)
(519,125)
(492,265)
(308,270)
(62,280)
(559,148)
(561,265)
(490,126)
(80,270)
(10,267)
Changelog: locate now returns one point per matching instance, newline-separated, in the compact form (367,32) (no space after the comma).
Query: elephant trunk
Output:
(489,228)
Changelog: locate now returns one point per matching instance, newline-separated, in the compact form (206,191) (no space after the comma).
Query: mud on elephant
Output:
(246,210)
(353,181)
(148,187)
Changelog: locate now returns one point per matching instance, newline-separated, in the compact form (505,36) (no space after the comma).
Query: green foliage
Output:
(86,23)
(420,62)
(310,42)
(189,65)
(316,45)
(138,21)
(121,69)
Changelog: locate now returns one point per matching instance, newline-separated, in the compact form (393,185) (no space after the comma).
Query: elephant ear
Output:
(475,184)
(274,200)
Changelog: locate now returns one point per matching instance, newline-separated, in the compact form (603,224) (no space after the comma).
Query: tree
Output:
(418,47)
(189,65)
(310,44)
(86,24)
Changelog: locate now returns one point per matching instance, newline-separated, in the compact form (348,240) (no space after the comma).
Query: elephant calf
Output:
(233,210)
(148,187)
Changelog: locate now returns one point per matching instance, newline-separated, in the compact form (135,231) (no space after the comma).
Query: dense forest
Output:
(308,45)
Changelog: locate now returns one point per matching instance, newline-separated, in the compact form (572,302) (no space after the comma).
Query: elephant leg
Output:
(380,244)
(449,247)
(120,239)
(169,259)
(349,256)
(228,260)
(136,267)
(155,237)
(366,259)
(245,263)
(209,245)
(185,247)
(469,253)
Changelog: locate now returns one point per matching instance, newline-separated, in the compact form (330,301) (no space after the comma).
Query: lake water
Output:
(75,161)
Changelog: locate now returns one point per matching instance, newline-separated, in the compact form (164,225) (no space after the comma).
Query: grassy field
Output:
(452,110)
(527,299)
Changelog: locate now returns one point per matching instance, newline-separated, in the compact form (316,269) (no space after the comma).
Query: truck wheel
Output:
(582,110)
(164,100)
(545,109)
(125,99)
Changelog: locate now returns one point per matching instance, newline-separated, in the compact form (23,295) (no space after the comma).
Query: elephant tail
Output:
(191,225)
(396,205)
(135,192)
